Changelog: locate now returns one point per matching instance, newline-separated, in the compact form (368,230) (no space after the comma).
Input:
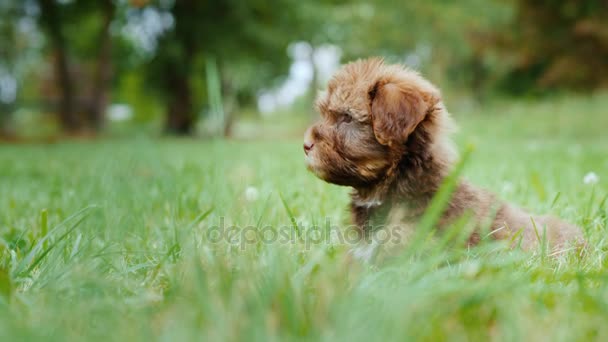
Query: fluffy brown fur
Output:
(384,131)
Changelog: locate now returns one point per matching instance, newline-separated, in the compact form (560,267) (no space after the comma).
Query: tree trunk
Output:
(180,112)
(180,108)
(50,20)
(229,106)
(103,71)
(7,131)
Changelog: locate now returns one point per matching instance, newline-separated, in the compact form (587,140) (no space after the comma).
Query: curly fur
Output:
(385,132)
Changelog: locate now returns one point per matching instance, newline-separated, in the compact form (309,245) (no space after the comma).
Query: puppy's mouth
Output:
(315,165)
(311,164)
(328,175)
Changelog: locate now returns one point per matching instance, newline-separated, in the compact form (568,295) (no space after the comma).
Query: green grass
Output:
(117,241)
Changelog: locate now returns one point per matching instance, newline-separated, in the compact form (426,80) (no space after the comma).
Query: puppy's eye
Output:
(345,118)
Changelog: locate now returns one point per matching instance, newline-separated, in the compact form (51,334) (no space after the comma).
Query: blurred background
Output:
(250,68)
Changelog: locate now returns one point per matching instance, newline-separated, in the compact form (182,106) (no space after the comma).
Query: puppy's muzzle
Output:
(308,141)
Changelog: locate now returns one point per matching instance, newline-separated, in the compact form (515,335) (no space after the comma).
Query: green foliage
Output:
(556,45)
(468,47)
(248,39)
(17,59)
(133,90)
(114,240)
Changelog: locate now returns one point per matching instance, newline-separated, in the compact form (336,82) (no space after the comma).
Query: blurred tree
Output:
(554,44)
(437,37)
(80,40)
(20,59)
(103,69)
(175,57)
(248,39)
(9,51)
(121,47)
(50,21)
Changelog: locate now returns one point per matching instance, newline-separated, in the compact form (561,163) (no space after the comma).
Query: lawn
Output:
(145,239)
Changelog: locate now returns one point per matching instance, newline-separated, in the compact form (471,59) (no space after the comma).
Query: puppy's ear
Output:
(396,110)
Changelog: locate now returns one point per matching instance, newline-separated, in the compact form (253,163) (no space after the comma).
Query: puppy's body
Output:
(385,132)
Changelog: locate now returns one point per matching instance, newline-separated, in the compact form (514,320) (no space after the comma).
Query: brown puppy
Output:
(384,131)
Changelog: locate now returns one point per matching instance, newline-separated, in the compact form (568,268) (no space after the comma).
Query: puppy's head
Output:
(367,114)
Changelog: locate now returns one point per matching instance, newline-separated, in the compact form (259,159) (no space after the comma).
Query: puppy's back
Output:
(558,234)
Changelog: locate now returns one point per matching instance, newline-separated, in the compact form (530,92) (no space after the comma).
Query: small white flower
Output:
(507,187)
(251,193)
(591,178)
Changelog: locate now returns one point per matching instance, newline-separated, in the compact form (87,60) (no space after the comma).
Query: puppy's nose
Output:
(308,141)
(308,146)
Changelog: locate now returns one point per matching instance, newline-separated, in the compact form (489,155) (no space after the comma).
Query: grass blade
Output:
(433,214)
(20,269)
(46,251)
(555,199)
(290,214)
(44,224)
